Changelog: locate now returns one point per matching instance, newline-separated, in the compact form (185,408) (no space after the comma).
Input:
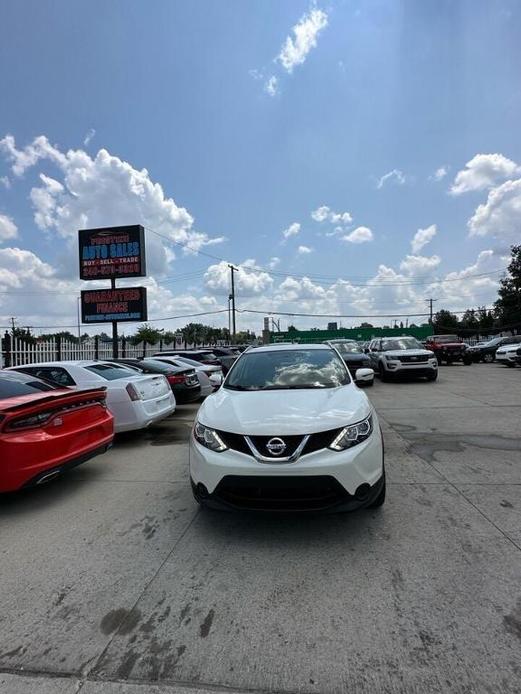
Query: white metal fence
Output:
(17,351)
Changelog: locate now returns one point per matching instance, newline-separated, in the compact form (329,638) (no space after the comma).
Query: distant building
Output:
(332,326)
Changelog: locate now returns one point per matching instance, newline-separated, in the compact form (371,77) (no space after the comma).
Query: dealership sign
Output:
(108,305)
(112,252)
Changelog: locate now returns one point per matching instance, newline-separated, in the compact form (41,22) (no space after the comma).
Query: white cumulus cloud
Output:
(395,175)
(88,137)
(422,237)
(103,190)
(304,250)
(500,216)
(23,159)
(292,230)
(440,173)
(305,33)
(248,280)
(325,213)
(4,180)
(359,235)
(271,86)
(483,171)
(8,229)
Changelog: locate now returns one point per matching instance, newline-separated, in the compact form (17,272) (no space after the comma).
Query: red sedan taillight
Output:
(176,380)
(32,422)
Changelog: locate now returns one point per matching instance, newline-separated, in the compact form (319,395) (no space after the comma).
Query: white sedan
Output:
(135,400)
(288,430)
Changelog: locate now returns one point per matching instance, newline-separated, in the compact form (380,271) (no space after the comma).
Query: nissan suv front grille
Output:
(315,442)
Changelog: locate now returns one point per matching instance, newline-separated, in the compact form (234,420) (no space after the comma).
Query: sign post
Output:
(112,253)
(114,327)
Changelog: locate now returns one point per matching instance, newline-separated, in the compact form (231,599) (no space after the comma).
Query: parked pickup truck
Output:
(448,349)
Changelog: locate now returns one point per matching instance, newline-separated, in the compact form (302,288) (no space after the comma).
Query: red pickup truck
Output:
(448,348)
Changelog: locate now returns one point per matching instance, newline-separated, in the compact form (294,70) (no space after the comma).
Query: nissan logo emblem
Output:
(276,446)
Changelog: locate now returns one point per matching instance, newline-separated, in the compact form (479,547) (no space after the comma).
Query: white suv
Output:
(399,356)
(288,431)
(508,354)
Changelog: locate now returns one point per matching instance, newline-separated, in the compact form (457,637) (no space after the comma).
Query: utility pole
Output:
(229,319)
(430,302)
(13,326)
(233,269)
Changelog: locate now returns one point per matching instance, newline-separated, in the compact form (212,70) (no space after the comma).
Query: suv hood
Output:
(284,412)
(509,348)
(408,352)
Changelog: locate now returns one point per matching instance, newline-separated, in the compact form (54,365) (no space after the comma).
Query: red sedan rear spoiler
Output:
(72,397)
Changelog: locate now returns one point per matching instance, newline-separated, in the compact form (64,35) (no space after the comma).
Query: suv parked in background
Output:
(398,356)
(353,356)
(508,354)
(486,351)
(448,349)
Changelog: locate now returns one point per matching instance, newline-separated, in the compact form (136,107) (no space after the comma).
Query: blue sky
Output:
(180,89)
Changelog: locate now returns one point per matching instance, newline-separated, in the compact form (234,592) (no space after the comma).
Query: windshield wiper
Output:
(292,387)
(238,387)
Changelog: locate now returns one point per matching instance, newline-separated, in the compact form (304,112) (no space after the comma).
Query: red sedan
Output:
(45,430)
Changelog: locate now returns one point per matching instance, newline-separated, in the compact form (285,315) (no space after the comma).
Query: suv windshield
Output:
(288,370)
(442,339)
(346,347)
(400,343)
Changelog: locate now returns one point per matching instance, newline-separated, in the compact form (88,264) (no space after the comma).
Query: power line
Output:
(269,312)
(330,279)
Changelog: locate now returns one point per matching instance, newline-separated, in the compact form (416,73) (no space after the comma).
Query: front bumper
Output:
(285,494)
(411,369)
(346,472)
(507,357)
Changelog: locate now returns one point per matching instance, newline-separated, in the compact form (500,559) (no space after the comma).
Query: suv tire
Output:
(488,358)
(433,377)
(384,376)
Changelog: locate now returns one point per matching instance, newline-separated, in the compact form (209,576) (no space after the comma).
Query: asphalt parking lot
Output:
(113,581)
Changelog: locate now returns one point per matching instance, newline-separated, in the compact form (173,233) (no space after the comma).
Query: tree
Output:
(146,333)
(485,318)
(364,324)
(445,321)
(63,334)
(24,334)
(508,306)
(292,329)
(470,320)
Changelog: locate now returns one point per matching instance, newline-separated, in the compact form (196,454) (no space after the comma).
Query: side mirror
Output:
(364,376)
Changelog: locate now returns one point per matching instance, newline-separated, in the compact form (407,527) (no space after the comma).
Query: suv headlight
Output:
(388,357)
(353,434)
(209,438)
